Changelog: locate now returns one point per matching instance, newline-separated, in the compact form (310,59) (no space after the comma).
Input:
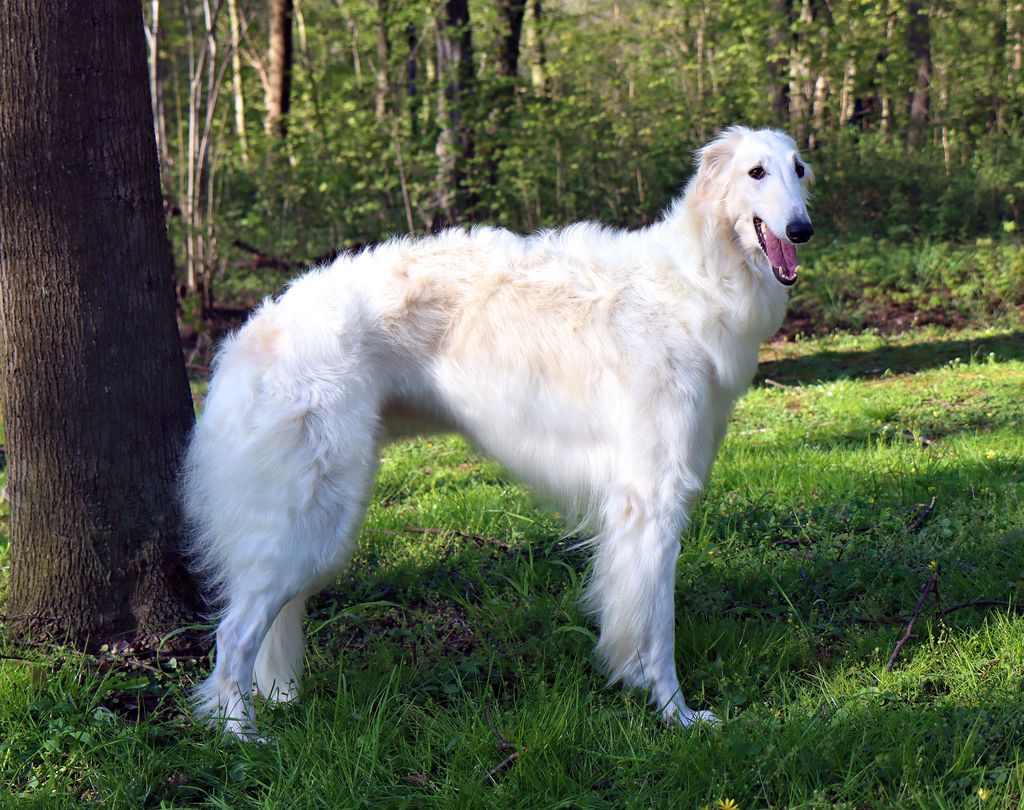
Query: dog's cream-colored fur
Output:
(599,365)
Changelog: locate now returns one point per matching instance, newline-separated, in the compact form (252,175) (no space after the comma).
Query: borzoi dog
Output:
(598,365)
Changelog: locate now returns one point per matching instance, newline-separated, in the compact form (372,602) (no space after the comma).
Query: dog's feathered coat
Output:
(599,365)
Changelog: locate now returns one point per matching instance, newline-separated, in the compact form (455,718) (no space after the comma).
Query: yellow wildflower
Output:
(982,793)
(728,804)
(990,454)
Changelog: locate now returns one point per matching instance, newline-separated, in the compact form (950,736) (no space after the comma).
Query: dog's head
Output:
(757,182)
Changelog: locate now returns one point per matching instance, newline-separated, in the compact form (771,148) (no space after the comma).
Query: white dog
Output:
(599,365)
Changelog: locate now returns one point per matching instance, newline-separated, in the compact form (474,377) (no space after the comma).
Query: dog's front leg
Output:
(632,593)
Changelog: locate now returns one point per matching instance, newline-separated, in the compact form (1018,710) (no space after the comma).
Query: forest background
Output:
(292,129)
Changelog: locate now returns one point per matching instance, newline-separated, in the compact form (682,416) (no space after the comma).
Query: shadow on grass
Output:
(806,584)
(832,365)
(919,432)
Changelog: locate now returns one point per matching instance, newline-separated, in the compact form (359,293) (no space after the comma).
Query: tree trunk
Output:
(846,96)
(1015,36)
(535,48)
(198,202)
(510,13)
(154,38)
(279,95)
(92,381)
(510,16)
(778,90)
(800,86)
(818,110)
(383,61)
(885,100)
(919,44)
(456,143)
(236,78)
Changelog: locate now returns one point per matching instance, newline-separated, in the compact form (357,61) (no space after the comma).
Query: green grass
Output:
(796,580)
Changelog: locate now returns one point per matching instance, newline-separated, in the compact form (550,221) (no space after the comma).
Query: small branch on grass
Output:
(975,603)
(922,516)
(931,586)
(793,542)
(131,661)
(491,778)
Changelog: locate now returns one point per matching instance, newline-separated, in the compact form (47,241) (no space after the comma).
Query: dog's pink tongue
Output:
(780,254)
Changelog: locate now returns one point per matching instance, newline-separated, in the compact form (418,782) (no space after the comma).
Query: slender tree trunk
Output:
(535,47)
(154,37)
(919,44)
(198,200)
(800,87)
(699,45)
(456,143)
(236,78)
(823,25)
(888,124)
(383,61)
(818,110)
(92,381)
(942,80)
(1015,36)
(846,95)
(778,90)
(510,16)
(279,97)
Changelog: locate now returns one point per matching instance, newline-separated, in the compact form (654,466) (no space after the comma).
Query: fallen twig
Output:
(922,516)
(931,586)
(975,603)
(793,542)
(491,777)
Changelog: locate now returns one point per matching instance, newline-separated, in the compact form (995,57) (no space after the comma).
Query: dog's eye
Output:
(799,168)
(757,172)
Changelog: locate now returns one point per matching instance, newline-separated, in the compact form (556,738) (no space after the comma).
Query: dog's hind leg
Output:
(276,547)
(631,592)
(279,663)
(227,694)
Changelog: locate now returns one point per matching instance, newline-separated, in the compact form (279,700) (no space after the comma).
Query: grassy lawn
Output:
(803,565)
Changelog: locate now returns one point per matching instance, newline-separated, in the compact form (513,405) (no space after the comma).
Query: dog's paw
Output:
(705,718)
(686,717)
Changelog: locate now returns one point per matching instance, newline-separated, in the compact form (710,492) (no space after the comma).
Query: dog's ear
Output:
(712,161)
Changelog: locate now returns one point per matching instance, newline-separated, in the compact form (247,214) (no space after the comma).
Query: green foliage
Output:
(901,284)
(796,579)
(609,135)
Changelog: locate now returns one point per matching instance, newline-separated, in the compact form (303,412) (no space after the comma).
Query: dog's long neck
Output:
(740,293)
(736,301)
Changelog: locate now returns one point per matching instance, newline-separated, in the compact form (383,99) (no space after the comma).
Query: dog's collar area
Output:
(781,254)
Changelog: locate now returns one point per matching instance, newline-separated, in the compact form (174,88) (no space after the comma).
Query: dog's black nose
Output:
(799,231)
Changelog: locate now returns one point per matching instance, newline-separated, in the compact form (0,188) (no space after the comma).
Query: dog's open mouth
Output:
(781,254)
